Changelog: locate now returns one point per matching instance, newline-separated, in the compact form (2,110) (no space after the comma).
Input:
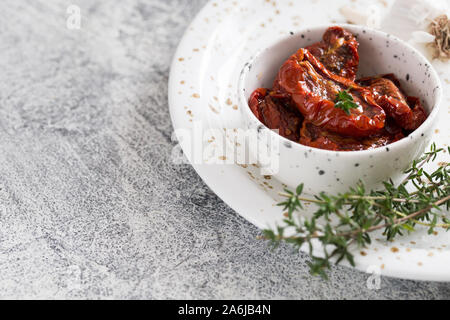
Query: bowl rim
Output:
(419,132)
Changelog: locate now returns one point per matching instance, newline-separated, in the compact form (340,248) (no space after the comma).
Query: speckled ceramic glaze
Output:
(203,88)
(335,172)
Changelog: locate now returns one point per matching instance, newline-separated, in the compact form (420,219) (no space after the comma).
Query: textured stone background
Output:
(90,204)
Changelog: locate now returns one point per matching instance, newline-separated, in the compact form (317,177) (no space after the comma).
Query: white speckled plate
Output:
(203,90)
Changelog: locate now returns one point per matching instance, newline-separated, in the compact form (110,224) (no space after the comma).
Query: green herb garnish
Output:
(344,100)
(358,213)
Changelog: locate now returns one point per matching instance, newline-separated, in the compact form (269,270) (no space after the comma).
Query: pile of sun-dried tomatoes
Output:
(302,104)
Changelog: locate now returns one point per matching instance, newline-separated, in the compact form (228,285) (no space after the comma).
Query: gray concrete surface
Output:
(90,204)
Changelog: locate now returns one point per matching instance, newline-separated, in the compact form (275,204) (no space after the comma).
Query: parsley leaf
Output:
(358,213)
(344,100)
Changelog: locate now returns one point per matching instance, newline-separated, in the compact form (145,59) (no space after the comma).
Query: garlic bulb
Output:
(409,20)
(422,37)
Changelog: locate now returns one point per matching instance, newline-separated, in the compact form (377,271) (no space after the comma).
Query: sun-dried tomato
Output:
(317,137)
(314,91)
(255,100)
(276,113)
(408,112)
(338,52)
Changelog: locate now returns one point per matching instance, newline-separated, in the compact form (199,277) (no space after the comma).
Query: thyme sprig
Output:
(347,220)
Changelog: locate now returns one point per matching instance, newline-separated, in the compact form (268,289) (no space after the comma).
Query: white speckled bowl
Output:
(335,172)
